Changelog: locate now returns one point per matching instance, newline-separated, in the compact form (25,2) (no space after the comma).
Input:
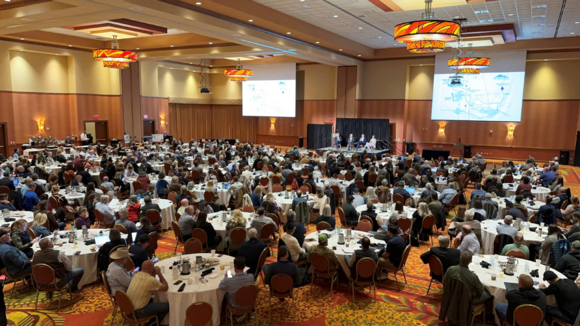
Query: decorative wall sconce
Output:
(163,120)
(40,123)
(442,128)
(272,121)
(511,129)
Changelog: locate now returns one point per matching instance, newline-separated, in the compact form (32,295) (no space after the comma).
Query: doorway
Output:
(148,128)
(4,139)
(99,130)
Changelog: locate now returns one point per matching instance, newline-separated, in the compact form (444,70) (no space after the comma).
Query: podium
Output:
(458,147)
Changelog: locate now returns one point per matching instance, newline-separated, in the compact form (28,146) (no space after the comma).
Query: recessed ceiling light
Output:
(572,33)
(198,3)
(510,14)
(191,63)
(211,66)
(21,50)
(7,0)
(545,59)
(339,49)
(317,42)
(380,37)
(69,46)
(171,45)
(171,68)
(210,42)
(21,39)
(137,48)
(251,20)
(335,16)
(360,28)
(288,33)
(359,55)
(56,54)
(421,65)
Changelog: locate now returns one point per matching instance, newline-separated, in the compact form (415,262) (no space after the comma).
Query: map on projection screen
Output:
(483,97)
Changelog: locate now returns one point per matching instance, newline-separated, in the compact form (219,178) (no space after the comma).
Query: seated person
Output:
(283,266)
(322,250)
(448,256)
(16,262)
(364,252)
(326,216)
(139,250)
(518,244)
(238,279)
(566,293)
(60,263)
(393,254)
(569,264)
(506,227)
(142,286)
(526,294)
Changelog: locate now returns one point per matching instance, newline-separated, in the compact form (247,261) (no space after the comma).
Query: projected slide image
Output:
(483,97)
(269,98)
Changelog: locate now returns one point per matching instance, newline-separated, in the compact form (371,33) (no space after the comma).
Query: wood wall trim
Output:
(200,46)
(500,146)
(21,3)
(41,93)
(18,40)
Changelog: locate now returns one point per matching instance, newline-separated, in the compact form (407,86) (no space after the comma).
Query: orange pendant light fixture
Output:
(115,58)
(469,61)
(238,74)
(427,35)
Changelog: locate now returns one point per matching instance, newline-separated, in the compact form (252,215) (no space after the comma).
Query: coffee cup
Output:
(213,252)
(538,262)
(493,277)
(189,281)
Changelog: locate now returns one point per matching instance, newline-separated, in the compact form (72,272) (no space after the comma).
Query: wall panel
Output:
(154,108)
(107,107)
(53,108)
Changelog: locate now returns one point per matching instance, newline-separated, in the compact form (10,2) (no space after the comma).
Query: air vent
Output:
(499,20)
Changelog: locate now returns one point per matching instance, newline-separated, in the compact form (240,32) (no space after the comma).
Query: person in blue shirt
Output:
(17,264)
(5,203)
(256,197)
(548,176)
(161,184)
(236,281)
(16,152)
(478,191)
(30,199)
(296,152)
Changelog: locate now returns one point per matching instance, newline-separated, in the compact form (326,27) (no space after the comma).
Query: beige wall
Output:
(552,80)
(39,72)
(315,82)
(38,69)
(224,88)
(386,80)
(421,82)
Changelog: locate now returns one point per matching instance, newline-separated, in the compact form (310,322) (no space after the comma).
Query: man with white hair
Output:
(175,186)
(106,211)
(469,241)
(447,195)
(448,256)
(475,225)
(428,192)
(252,249)
(506,227)
(518,244)
(488,200)
(129,226)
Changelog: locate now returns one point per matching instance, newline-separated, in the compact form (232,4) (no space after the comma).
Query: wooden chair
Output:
(364,275)
(508,179)
(436,267)
(341,177)
(336,191)
(557,321)
(152,244)
(527,315)
(398,198)
(322,226)
(281,286)
(4,190)
(193,246)
(154,217)
(111,296)
(266,233)
(137,186)
(104,189)
(264,182)
(320,269)
(128,312)
(261,262)
(248,209)
(405,226)
(31,233)
(428,222)
(237,238)
(46,282)
(396,270)
(122,229)
(178,236)
(208,196)
(277,188)
(360,185)
(364,226)
(348,176)
(518,253)
(171,196)
(342,217)
(13,279)
(200,234)
(245,297)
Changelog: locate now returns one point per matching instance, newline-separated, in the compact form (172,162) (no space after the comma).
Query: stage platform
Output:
(377,152)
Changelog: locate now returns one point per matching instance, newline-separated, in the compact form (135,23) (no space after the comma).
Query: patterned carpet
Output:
(313,306)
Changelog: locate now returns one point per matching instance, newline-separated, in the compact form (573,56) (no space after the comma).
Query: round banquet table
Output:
(384,216)
(52,169)
(342,184)
(441,184)
(539,193)
(222,193)
(208,292)
(341,250)
(497,288)
(220,227)
(28,216)
(489,231)
(532,209)
(167,209)
(286,204)
(87,259)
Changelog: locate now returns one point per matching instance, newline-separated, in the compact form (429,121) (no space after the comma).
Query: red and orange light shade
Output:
(426,46)
(115,64)
(469,63)
(468,71)
(421,30)
(239,73)
(115,58)
(238,79)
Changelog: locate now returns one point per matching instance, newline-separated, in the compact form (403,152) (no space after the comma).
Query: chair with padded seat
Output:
(428,222)
(248,209)
(193,246)
(321,226)
(152,244)
(320,269)
(246,297)
(405,226)
(111,296)
(518,253)
(436,267)
(200,234)
(46,281)
(364,225)
(237,238)
(129,313)
(527,315)
(364,275)
(261,262)
(178,235)
(281,286)
(400,268)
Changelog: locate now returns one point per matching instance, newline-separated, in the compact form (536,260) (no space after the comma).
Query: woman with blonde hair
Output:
(419,215)
(211,186)
(21,239)
(238,220)
(370,195)
(38,225)
(326,216)
(319,200)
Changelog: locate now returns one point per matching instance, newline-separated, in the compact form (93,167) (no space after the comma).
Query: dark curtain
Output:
(380,128)
(319,136)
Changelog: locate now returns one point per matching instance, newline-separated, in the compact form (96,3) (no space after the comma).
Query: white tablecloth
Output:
(87,259)
(286,204)
(341,250)
(32,151)
(497,288)
(222,193)
(167,210)
(488,233)
(208,292)
(28,216)
(220,227)
(539,193)
(532,209)
(384,216)
(441,184)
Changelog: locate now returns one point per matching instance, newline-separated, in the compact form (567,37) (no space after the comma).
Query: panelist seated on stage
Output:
(362,141)
(350,141)
(372,143)
(337,141)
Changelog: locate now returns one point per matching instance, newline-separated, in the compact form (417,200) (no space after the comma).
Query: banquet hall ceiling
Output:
(334,32)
